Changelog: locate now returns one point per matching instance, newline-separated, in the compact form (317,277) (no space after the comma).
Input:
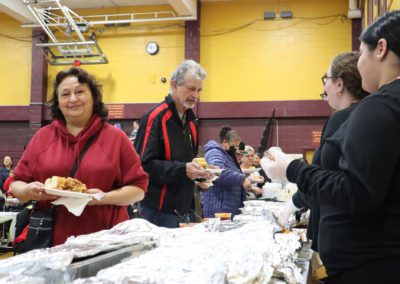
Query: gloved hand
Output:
(289,210)
(275,164)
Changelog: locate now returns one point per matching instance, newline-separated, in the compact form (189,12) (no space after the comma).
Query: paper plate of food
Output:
(211,169)
(251,170)
(66,187)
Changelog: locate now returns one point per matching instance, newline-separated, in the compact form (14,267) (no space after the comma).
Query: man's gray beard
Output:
(189,105)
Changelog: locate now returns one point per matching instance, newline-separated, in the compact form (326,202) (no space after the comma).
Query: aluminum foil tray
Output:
(89,267)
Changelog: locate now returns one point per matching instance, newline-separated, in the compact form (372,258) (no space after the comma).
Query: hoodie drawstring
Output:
(79,157)
(68,169)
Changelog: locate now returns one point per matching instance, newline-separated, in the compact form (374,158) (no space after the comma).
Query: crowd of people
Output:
(351,187)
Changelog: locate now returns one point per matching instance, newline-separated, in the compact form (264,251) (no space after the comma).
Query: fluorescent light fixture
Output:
(286,14)
(269,15)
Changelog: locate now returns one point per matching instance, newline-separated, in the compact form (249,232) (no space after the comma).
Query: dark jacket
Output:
(360,202)
(227,193)
(300,199)
(4,174)
(165,145)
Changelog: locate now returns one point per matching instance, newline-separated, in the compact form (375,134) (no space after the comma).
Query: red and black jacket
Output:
(165,145)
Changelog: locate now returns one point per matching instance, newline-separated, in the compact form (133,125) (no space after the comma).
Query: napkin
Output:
(74,205)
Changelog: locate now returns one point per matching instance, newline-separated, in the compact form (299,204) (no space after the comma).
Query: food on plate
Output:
(202,162)
(69,184)
(223,216)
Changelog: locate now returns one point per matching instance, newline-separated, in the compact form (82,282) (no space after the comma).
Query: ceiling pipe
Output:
(354,12)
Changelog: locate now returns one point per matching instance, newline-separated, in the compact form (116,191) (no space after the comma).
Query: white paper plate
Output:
(66,193)
(214,171)
(254,203)
(250,171)
(207,183)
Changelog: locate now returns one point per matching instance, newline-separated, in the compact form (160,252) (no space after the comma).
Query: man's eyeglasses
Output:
(324,96)
(325,78)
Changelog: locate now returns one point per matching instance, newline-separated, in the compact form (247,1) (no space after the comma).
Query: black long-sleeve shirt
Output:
(360,221)
(300,199)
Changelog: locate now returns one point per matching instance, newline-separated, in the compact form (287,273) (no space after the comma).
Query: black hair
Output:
(84,77)
(227,133)
(242,146)
(386,27)
(260,155)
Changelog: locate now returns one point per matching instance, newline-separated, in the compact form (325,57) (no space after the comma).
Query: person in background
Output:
(342,86)
(5,171)
(135,128)
(118,125)
(167,142)
(110,167)
(256,159)
(240,152)
(229,190)
(360,226)
(247,167)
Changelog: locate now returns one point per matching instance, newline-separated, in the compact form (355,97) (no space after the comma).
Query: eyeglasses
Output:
(325,78)
(323,96)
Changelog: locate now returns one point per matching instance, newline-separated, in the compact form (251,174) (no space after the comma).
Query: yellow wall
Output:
(267,60)
(395,4)
(15,67)
(274,59)
(132,75)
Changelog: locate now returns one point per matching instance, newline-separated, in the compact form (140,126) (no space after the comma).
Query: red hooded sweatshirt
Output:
(111,159)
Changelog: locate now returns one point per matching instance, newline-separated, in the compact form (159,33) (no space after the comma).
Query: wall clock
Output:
(152,48)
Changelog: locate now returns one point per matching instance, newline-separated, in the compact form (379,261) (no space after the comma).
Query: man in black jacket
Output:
(167,142)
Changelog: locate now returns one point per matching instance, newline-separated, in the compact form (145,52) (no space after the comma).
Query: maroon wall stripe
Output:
(370,11)
(38,82)
(241,110)
(192,40)
(382,7)
(14,113)
(355,33)
(192,37)
(295,122)
(207,110)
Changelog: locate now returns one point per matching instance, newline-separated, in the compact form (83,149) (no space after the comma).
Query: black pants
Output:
(385,271)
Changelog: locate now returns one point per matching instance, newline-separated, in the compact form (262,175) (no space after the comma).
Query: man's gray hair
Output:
(190,68)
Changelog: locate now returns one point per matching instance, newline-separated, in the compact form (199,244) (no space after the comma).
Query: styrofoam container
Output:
(271,189)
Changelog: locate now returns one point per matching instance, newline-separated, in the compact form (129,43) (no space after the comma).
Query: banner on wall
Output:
(316,138)
(116,111)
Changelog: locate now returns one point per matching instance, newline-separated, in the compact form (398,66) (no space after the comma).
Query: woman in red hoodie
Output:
(110,165)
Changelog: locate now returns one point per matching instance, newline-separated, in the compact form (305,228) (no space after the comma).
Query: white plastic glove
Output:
(275,165)
(289,210)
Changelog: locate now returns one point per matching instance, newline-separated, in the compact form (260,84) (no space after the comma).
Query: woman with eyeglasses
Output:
(229,190)
(360,231)
(342,86)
